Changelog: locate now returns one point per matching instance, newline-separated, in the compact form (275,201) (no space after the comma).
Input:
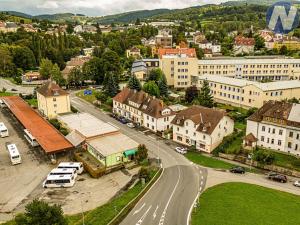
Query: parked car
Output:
(123,120)
(277,177)
(131,125)
(297,183)
(181,150)
(238,169)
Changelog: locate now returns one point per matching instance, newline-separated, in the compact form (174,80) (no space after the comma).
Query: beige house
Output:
(179,66)
(164,40)
(133,52)
(247,94)
(201,127)
(52,100)
(276,126)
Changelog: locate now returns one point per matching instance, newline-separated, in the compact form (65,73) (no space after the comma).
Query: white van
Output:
(77,165)
(3,130)
(67,180)
(32,141)
(14,154)
(64,171)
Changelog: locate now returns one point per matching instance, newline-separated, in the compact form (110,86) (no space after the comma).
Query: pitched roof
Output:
(49,89)
(147,104)
(50,139)
(206,118)
(278,111)
(240,40)
(251,138)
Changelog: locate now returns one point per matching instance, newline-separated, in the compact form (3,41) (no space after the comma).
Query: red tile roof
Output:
(50,89)
(190,52)
(47,136)
(240,40)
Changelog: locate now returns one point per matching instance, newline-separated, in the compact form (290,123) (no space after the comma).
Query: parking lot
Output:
(20,184)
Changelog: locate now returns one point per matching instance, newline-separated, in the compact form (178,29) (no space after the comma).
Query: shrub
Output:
(145,173)
(142,153)
(109,101)
(101,96)
(263,156)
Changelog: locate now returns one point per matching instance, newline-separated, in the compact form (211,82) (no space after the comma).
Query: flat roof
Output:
(112,144)
(241,61)
(269,86)
(87,125)
(46,135)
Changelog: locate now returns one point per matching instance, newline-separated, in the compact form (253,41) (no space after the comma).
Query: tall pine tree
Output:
(163,86)
(205,98)
(111,86)
(134,83)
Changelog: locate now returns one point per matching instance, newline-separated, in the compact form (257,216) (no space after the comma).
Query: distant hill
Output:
(19,14)
(129,17)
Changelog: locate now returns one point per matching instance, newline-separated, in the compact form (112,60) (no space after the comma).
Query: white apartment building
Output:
(143,109)
(276,126)
(252,68)
(202,127)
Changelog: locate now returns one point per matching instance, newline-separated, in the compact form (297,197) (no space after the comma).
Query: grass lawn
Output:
(286,161)
(246,204)
(89,98)
(208,161)
(2,94)
(32,102)
(240,126)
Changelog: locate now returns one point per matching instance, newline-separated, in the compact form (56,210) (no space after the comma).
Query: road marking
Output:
(138,210)
(152,137)
(202,177)
(143,216)
(162,218)
(200,171)
(200,189)
(154,214)
(201,182)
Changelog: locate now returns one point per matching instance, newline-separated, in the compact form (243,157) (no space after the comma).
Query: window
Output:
(291,134)
(262,138)
(203,137)
(297,137)
(186,131)
(273,131)
(272,141)
(186,123)
(152,119)
(177,128)
(179,138)
(296,147)
(152,127)
(263,128)
(118,158)
(54,99)
(194,134)
(290,145)
(279,142)
(55,105)
(280,132)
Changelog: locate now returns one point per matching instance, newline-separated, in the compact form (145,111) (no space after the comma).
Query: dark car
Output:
(238,169)
(123,120)
(278,178)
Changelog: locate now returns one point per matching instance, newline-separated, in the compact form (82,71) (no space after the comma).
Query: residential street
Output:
(171,197)
(19,89)
(169,201)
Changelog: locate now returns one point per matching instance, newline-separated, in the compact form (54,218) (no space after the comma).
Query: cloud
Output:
(96,7)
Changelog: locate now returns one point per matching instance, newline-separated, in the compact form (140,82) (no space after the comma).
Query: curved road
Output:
(171,199)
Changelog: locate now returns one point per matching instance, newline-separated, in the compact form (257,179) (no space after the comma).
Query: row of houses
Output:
(199,126)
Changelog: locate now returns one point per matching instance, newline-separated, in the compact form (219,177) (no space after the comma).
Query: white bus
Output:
(3,130)
(65,171)
(30,138)
(77,165)
(14,154)
(67,180)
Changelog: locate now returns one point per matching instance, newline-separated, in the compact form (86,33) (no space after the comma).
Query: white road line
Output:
(201,182)
(155,212)
(143,216)
(162,218)
(138,210)
(200,171)
(202,177)
(152,137)
(200,189)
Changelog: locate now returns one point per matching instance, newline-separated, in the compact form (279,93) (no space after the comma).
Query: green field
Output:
(246,204)
(89,98)
(208,161)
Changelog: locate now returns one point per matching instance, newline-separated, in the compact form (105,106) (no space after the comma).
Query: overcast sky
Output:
(95,7)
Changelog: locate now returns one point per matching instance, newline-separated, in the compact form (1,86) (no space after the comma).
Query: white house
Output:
(143,109)
(276,126)
(202,127)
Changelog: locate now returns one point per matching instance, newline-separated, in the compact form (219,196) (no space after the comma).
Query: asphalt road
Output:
(18,89)
(171,199)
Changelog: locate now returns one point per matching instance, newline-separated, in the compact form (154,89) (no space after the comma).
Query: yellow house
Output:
(291,45)
(52,100)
